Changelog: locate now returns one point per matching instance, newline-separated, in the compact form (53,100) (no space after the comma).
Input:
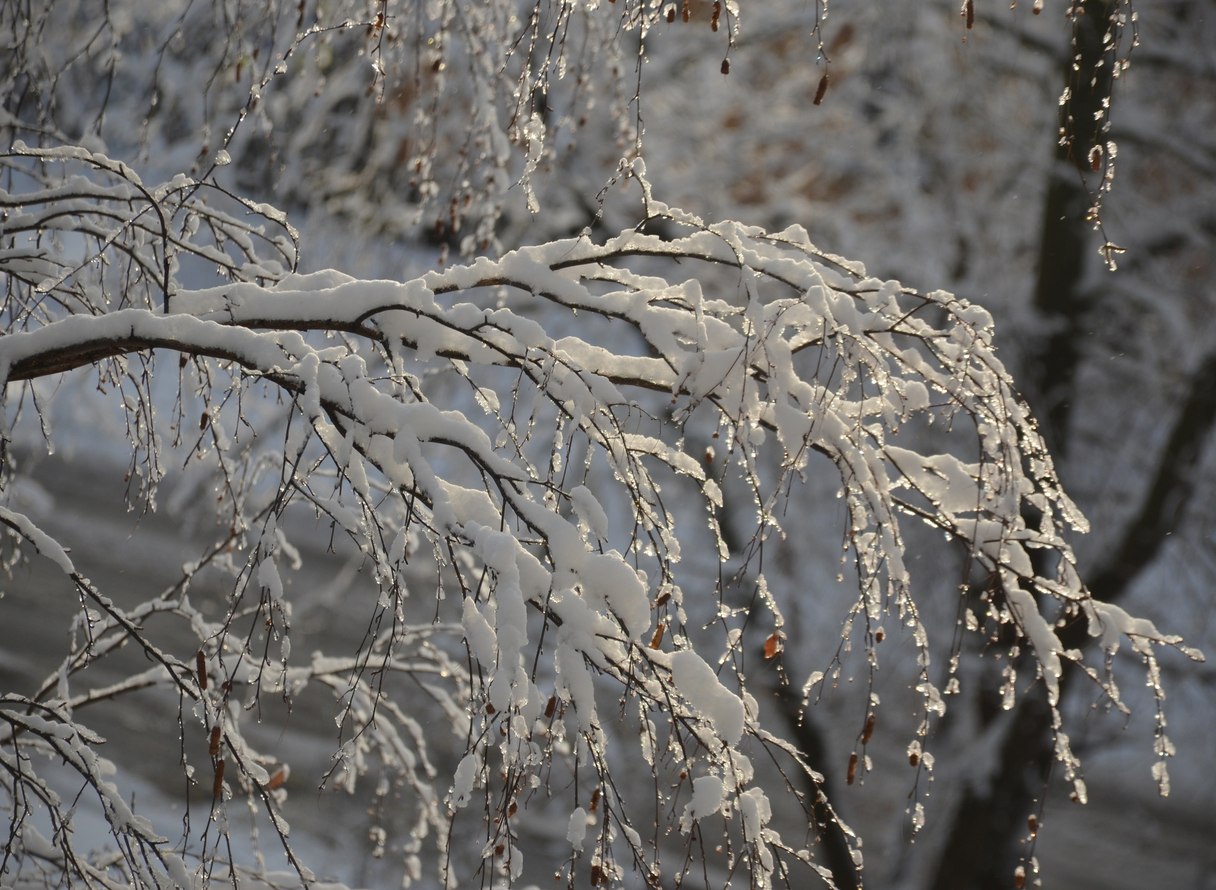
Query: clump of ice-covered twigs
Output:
(508,451)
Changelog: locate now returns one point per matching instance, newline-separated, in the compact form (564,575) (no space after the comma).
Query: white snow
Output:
(589,511)
(576,828)
(708,794)
(706,695)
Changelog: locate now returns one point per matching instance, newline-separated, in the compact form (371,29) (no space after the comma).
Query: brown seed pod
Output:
(713,21)
(1032,822)
(852,773)
(1019,877)
(821,90)
(969,13)
(913,758)
(657,640)
(868,731)
(686,10)
(213,747)
(671,14)
(1095,158)
(217,786)
(550,706)
(200,666)
(726,66)
(595,799)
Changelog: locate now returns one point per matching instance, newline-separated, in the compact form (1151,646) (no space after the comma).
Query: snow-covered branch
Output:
(533,423)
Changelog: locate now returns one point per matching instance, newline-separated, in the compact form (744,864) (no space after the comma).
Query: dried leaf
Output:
(773,646)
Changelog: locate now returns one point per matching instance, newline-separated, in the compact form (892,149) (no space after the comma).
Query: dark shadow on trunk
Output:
(833,845)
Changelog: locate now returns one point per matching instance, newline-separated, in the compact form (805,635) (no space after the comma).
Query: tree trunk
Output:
(984,844)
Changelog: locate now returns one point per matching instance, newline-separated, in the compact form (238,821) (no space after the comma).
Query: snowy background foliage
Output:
(565,532)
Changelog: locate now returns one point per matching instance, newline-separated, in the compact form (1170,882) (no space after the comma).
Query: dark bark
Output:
(984,842)
(833,850)
(1062,262)
(1169,493)
(1064,251)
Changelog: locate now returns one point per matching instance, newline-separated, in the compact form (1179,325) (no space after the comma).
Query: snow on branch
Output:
(510,448)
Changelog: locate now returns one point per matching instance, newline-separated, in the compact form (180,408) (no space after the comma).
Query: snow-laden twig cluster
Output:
(510,448)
